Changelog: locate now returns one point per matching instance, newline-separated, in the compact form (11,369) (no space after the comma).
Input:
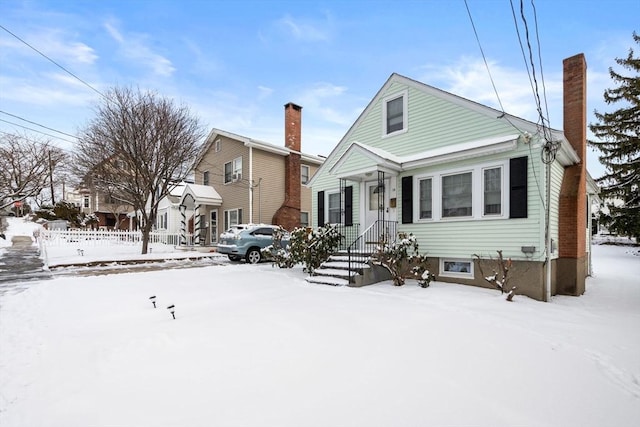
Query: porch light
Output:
(379,189)
(153,300)
(172,310)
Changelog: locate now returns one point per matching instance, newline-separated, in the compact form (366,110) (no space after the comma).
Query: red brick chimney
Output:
(288,215)
(572,225)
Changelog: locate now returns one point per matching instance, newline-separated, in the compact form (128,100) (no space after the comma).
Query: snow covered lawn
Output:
(258,346)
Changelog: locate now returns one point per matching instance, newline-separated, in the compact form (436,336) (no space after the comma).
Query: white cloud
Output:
(264,92)
(134,47)
(53,43)
(325,100)
(303,30)
(469,78)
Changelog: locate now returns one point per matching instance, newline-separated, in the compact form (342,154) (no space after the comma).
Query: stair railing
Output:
(377,234)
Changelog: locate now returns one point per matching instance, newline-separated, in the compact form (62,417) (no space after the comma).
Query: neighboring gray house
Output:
(466,180)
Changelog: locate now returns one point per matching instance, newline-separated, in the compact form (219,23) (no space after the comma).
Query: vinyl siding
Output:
(435,122)
(268,168)
(306,194)
(234,195)
(461,238)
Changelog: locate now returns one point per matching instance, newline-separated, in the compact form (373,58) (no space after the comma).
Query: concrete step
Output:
(334,272)
(354,258)
(345,265)
(327,280)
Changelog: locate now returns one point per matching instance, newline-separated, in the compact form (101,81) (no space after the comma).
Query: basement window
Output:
(460,268)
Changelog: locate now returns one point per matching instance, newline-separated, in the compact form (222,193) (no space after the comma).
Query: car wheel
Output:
(253,256)
(234,258)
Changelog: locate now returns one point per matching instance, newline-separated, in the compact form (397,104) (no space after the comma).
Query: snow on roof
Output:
(203,193)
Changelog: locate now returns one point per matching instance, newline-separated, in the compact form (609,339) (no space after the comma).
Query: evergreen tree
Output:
(618,140)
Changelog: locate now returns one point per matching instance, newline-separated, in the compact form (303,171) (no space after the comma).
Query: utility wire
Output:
(544,88)
(37,124)
(483,56)
(56,64)
(35,130)
(486,64)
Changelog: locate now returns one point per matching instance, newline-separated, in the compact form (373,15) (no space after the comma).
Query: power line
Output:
(486,64)
(38,124)
(56,64)
(35,130)
(483,56)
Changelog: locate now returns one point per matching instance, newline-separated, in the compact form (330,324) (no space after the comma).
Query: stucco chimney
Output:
(288,215)
(572,224)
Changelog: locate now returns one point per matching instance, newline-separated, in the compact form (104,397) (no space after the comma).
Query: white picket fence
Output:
(109,238)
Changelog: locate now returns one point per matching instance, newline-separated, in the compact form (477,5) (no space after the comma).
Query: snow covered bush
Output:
(89,220)
(278,252)
(308,246)
(500,274)
(402,258)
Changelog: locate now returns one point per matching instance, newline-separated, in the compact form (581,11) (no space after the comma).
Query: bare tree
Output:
(136,147)
(27,166)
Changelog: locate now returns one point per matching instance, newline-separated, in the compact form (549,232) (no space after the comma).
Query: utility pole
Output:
(53,197)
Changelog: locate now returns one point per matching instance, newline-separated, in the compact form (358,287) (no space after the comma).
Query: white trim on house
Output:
(261,145)
(393,165)
(405,103)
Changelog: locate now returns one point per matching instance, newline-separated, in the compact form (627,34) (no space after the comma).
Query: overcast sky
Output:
(236,63)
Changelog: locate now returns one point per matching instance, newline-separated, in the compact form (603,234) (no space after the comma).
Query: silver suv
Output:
(246,241)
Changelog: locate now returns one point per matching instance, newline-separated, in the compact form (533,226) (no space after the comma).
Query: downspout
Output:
(250,184)
(547,283)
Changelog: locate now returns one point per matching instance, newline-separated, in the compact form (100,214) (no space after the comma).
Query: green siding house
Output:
(467,180)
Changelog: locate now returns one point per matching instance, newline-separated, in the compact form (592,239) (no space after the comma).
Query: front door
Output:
(376,202)
(213,226)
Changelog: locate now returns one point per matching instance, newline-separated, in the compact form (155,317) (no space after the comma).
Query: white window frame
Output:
(327,210)
(304,178)
(477,194)
(502,195)
(205,178)
(417,210)
(236,169)
(442,178)
(456,274)
(405,125)
(86,202)
(302,223)
(216,145)
(227,217)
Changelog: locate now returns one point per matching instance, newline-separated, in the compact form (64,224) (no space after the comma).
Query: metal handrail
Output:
(380,232)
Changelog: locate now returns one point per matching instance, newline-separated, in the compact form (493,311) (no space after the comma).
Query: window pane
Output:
(394,115)
(492,191)
(425,199)
(227,172)
(205,178)
(374,198)
(304,174)
(334,208)
(457,267)
(457,195)
(304,219)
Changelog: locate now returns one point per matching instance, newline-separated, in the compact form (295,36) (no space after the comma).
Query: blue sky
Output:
(236,63)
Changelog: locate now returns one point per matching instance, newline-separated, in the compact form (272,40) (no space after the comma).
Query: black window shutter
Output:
(348,205)
(518,187)
(407,199)
(320,208)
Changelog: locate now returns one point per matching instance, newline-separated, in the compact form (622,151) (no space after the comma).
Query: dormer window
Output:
(395,114)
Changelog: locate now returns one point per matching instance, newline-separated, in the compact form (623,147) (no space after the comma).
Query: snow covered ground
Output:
(254,345)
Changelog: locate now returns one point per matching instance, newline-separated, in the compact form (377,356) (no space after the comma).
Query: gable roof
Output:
(203,194)
(520,126)
(254,143)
